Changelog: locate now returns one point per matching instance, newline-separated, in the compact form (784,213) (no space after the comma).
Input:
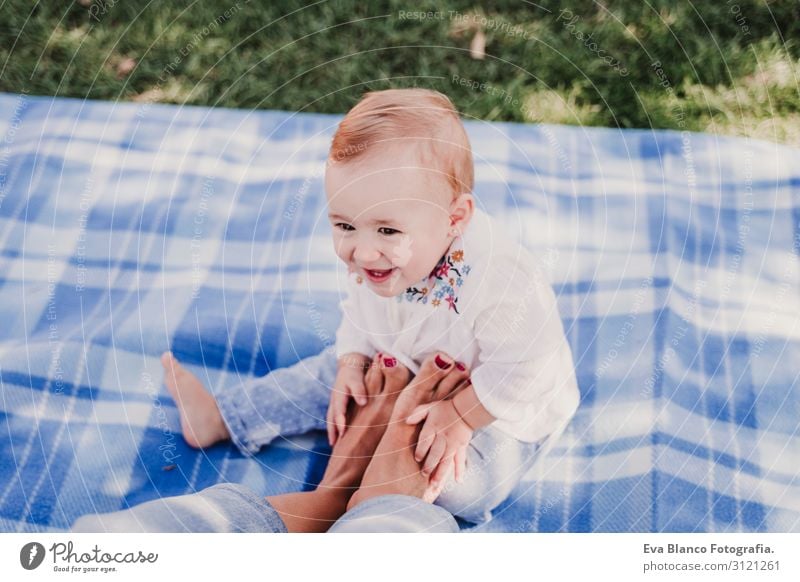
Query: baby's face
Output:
(390,218)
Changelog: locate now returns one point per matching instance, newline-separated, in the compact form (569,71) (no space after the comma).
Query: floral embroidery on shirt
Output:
(442,284)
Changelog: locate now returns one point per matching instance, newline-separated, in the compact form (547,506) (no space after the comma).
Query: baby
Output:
(428,272)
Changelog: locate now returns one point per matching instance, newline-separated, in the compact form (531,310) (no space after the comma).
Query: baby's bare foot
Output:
(393,469)
(384,381)
(201,421)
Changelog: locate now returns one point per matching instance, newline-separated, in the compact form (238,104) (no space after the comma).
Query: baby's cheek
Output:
(341,253)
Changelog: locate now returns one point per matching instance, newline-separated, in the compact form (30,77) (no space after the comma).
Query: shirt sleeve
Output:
(352,335)
(520,341)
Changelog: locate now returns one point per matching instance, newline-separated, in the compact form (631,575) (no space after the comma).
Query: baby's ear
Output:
(461,209)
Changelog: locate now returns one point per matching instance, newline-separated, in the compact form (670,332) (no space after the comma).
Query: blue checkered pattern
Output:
(129,229)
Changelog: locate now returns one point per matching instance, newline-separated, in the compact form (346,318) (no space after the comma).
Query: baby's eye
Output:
(388,231)
(344,226)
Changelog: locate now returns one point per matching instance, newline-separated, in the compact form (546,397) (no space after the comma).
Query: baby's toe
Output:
(171,363)
(172,368)
(167,360)
(174,373)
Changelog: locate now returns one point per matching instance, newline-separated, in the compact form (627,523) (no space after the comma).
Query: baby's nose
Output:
(366,254)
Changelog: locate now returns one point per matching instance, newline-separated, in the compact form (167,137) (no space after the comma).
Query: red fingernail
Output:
(460,366)
(441,363)
(390,362)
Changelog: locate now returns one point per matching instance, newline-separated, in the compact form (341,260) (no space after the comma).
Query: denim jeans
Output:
(233,508)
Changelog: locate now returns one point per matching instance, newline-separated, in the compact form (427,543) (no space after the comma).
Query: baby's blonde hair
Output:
(387,118)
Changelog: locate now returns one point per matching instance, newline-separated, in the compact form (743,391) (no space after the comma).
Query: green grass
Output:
(716,75)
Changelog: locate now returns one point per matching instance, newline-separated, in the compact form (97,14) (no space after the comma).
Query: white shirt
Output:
(489,305)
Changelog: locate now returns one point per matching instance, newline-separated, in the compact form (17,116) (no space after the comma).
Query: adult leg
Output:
(223,508)
(390,498)
(396,514)
(229,507)
(234,508)
(315,511)
(388,478)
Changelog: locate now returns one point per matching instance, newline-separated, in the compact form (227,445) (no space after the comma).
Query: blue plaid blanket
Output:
(129,229)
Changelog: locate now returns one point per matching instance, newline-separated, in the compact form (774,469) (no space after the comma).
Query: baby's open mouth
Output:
(378,276)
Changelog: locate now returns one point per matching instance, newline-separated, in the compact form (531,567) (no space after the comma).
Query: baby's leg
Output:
(287,401)
(495,464)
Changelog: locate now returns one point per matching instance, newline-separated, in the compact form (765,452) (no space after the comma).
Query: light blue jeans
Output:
(233,508)
(294,400)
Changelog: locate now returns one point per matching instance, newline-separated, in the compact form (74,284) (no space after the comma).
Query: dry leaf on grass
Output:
(477,48)
(124,67)
(149,96)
